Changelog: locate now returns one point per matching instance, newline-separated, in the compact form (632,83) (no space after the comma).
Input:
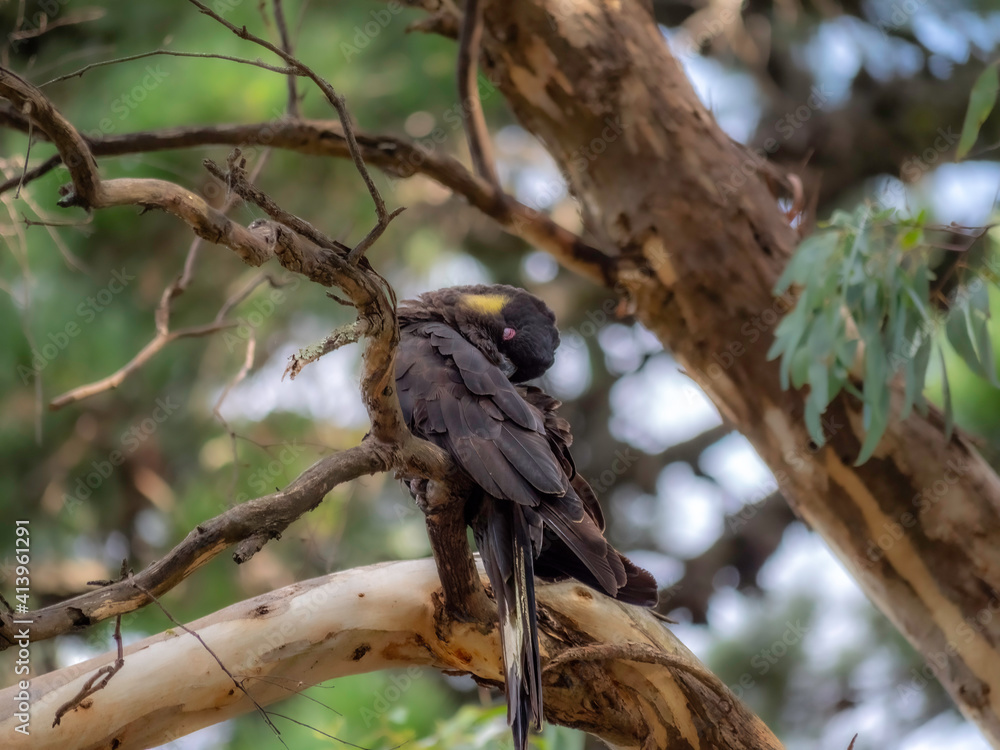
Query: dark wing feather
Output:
(573,550)
(515,447)
(453,395)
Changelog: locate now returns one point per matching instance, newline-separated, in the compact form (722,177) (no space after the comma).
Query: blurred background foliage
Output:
(857,96)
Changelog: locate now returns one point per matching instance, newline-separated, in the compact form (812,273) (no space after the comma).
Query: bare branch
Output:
(398,157)
(289,71)
(332,96)
(145,354)
(476,133)
(103,675)
(244,525)
(235,180)
(34,106)
(286,44)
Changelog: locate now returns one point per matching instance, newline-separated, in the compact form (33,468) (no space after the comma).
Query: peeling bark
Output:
(610,668)
(917,524)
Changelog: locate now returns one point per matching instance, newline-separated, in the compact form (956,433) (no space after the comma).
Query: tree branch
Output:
(246,525)
(367,619)
(398,157)
(290,240)
(476,133)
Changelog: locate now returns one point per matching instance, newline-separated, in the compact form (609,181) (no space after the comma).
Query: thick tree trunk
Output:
(609,668)
(918,524)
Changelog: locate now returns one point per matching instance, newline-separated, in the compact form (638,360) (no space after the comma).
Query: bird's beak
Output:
(507,367)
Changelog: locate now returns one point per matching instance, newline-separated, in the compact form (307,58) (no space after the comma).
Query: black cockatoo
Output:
(463,353)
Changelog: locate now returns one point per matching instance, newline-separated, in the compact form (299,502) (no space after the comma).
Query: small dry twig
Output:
(223,667)
(100,679)
(340,337)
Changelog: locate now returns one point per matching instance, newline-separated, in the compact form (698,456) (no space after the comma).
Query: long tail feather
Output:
(505,544)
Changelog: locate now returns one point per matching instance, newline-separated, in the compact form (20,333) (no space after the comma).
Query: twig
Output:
(332,96)
(369,239)
(33,105)
(145,354)
(396,156)
(30,175)
(268,516)
(87,14)
(340,337)
(27,154)
(100,679)
(223,667)
(235,179)
(286,44)
(217,409)
(240,296)
(476,132)
(289,71)
(181,283)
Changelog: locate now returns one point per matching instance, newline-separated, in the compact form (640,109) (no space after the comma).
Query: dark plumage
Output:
(463,351)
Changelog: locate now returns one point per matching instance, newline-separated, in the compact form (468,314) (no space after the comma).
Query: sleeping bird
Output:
(465,353)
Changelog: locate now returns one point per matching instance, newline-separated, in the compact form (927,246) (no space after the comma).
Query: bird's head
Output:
(512,327)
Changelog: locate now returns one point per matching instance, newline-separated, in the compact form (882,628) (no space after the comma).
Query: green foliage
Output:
(982,99)
(866,315)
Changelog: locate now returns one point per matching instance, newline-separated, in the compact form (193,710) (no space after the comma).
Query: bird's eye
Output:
(508,334)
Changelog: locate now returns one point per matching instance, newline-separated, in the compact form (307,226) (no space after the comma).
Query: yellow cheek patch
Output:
(489,304)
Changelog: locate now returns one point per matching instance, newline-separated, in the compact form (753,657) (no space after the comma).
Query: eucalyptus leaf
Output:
(982,99)
(946,395)
(814,423)
(876,424)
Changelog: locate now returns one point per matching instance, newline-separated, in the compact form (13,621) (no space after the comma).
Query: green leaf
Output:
(946,395)
(968,331)
(977,320)
(876,419)
(916,373)
(912,238)
(876,369)
(819,384)
(812,253)
(813,422)
(846,352)
(981,101)
(801,361)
